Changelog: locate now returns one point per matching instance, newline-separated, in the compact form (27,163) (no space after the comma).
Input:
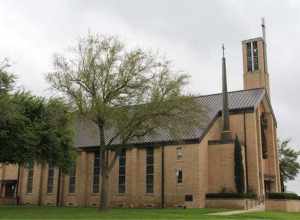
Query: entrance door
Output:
(267,186)
(10,189)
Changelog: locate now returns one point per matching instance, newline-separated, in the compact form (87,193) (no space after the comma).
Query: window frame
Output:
(249,57)
(122,172)
(252,56)
(30,175)
(149,170)
(72,180)
(179,176)
(96,174)
(255,55)
(50,179)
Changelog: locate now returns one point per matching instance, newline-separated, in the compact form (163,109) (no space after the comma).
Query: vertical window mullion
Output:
(50,178)
(72,179)
(122,172)
(149,170)
(255,56)
(249,57)
(96,173)
(30,178)
(252,58)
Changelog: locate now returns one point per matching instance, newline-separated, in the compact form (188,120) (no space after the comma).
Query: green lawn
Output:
(133,214)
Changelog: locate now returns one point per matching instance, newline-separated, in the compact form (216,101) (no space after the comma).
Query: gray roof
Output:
(87,132)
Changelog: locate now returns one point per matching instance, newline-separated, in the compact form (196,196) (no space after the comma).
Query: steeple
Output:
(226,134)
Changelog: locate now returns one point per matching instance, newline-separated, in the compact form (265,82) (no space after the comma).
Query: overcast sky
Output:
(190,33)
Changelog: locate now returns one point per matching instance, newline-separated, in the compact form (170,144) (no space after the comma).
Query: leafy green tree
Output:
(33,129)
(288,162)
(239,167)
(127,93)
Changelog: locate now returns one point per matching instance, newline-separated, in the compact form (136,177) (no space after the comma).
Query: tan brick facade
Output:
(204,166)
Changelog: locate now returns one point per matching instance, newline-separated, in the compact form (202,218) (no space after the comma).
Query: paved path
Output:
(256,209)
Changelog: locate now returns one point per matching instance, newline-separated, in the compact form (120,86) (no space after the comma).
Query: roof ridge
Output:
(235,91)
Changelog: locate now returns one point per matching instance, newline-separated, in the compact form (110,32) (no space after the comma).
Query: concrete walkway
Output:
(259,208)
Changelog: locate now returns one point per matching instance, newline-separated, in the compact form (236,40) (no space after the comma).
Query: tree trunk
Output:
(18,185)
(104,172)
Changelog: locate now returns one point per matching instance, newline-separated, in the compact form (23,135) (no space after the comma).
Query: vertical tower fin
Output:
(263,27)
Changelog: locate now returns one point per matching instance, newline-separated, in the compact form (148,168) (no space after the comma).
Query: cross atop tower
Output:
(223,50)
(263,27)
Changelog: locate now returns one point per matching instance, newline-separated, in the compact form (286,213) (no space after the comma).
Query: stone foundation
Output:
(283,205)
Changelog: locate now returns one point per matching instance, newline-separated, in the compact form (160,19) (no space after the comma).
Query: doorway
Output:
(10,190)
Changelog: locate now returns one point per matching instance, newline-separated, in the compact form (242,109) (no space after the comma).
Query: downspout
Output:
(246,155)
(162,177)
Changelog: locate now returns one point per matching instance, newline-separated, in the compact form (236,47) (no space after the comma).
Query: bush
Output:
(238,167)
(283,196)
(225,195)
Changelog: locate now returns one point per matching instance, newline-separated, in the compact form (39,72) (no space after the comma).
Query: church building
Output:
(162,172)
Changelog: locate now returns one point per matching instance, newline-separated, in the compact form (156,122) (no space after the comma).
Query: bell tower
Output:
(255,66)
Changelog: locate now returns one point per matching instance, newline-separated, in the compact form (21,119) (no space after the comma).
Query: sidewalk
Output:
(260,208)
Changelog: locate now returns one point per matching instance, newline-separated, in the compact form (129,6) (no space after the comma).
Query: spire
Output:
(226,134)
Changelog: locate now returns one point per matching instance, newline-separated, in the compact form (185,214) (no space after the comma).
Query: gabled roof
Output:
(87,133)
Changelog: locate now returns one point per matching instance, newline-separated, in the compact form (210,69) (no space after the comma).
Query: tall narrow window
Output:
(255,55)
(29,178)
(96,174)
(50,178)
(122,171)
(179,176)
(249,57)
(263,122)
(252,56)
(72,179)
(149,170)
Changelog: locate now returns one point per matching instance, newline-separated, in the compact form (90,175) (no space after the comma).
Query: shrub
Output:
(231,195)
(283,196)
(238,167)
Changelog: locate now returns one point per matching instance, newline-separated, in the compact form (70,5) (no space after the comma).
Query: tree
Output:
(33,129)
(288,164)
(127,93)
(238,167)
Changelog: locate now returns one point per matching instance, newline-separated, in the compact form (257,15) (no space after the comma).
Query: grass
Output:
(45,213)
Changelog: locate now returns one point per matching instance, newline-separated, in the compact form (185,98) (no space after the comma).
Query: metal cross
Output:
(223,48)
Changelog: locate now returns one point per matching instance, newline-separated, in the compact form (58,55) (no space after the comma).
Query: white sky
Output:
(188,32)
